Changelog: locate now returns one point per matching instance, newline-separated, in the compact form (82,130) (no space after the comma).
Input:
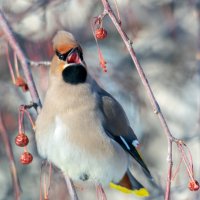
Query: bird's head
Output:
(68,62)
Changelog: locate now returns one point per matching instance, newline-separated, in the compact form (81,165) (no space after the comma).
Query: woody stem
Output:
(25,66)
(153,101)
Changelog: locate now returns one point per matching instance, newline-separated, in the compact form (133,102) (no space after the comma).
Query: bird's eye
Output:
(61,57)
(64,55)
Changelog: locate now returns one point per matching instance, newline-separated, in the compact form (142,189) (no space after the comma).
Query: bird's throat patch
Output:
(74,74)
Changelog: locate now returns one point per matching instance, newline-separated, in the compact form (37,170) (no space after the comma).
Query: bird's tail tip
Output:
(141,192)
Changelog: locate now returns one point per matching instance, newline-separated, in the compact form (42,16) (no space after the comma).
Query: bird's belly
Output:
(85,154)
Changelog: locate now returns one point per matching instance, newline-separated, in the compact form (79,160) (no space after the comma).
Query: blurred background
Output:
(166,38)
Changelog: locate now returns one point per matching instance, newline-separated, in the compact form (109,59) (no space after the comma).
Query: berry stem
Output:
(178,168)
(10,66)
(25,149)
(185,160)
(100,55)
(16,65)
(191,160)
(20,121)
(30,119)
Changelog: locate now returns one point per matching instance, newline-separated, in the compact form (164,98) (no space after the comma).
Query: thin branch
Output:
(25,66)
(198,59)
(16,65)
(9,153)
(10,66)
(154,103)
(71,188)
(198,74)
(169,174)
(100,192)
(39,63)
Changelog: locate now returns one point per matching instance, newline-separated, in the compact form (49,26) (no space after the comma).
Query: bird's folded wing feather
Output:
(117,126)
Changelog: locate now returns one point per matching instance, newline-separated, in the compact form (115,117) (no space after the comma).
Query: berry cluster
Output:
(99,34)
(21,139)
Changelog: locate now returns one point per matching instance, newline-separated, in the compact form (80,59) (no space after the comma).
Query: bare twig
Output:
(71,188)
(100,192)
(25,66)
(9,153)
(198,74)
(198,60)
(39,63)
(154,103)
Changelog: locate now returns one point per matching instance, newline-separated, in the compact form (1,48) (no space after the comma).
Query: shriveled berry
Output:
(20,82)
(25,88)
(193,185)
(100,33)
(26,158)
(21,140)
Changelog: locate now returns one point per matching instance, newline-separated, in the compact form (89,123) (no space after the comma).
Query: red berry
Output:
(193,185)
(20,82)
(26,158)
(21,140)
(100,33)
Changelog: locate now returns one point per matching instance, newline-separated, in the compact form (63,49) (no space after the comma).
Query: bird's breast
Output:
(75,140)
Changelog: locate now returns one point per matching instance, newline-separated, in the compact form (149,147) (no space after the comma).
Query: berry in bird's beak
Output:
(74,57)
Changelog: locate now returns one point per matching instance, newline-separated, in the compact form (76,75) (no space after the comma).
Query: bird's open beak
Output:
(74,56)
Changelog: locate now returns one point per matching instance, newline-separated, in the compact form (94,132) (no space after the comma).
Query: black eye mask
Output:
(65,55)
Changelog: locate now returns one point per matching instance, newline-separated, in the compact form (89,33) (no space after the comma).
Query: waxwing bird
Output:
(81,128)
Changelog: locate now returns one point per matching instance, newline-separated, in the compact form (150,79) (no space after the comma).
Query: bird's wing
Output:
(116,125)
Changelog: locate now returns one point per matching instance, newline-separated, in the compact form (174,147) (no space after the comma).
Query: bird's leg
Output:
(101,195)
(71,189)
(78,186)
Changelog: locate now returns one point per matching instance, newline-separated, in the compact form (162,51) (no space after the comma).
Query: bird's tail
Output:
(130,185)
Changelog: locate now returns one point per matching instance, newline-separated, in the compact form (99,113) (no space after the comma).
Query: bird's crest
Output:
(64,41)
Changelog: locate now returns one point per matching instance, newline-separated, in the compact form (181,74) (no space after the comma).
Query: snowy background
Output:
(165,35)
